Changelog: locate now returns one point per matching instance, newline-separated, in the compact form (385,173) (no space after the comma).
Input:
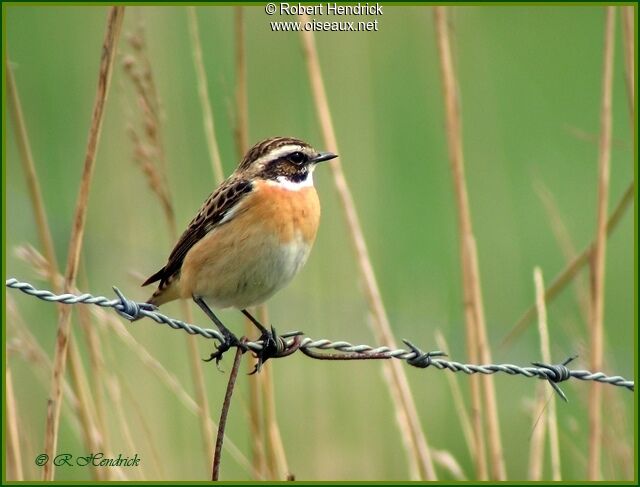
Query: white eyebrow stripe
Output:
(279,152)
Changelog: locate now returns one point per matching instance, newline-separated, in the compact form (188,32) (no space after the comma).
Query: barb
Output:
(293,341)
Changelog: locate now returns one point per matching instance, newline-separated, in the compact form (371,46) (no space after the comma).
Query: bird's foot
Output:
(273,346)
(230,341)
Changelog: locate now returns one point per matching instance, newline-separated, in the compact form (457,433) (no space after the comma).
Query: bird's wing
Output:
(211,215)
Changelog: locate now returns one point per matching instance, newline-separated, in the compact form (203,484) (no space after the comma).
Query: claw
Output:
(273,346)
(217,355)
(230,341)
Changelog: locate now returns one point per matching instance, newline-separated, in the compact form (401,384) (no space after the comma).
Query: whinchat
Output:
(249,238)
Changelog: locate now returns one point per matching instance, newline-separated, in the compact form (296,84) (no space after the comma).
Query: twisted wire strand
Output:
(132,310)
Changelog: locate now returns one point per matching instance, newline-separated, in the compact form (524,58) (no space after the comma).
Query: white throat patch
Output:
(284,183)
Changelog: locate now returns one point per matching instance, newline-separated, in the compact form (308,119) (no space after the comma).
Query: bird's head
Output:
(282,159)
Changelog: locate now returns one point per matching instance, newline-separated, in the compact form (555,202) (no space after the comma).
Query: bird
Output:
(249,239)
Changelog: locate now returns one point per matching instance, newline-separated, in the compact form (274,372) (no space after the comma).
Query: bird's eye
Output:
(297,158)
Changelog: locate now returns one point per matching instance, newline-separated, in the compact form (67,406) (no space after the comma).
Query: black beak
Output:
(324,156)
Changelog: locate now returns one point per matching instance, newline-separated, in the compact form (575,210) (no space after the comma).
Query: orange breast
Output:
(286,213)
(268,218)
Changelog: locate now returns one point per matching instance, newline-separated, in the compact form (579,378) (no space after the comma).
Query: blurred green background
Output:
(530,84)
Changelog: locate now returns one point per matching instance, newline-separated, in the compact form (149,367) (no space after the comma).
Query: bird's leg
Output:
(230,340)
(272,344)
(258,325)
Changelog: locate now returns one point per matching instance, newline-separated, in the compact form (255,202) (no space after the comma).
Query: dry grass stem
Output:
(113,323)
(33,185)
(455,148)
(144,156)
(599,253)
(98,379)
(149,152)
(545,351)
(242,99)
(14,454)
(593,138)
(415,441)
(49,265)
(544,412)
(618,438)
(50,269)
(572,269)
(256,422)
(205,102)
(257,431)
(489,393)
(474,313)
(256,435)
(459,402)
(267,447)
(113,385)
(567,246)
(449,463)
(147,140)
(78,414)
(277,457)
(536,445)
(166,377)
(30,349)
(206,425)
(257,418)
(270,459)
(114,23)
(86,407)
(143,422)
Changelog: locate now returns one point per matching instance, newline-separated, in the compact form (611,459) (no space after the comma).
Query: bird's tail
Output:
(164,294)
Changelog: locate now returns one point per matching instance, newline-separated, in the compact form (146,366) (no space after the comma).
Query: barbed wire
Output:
(293,341)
